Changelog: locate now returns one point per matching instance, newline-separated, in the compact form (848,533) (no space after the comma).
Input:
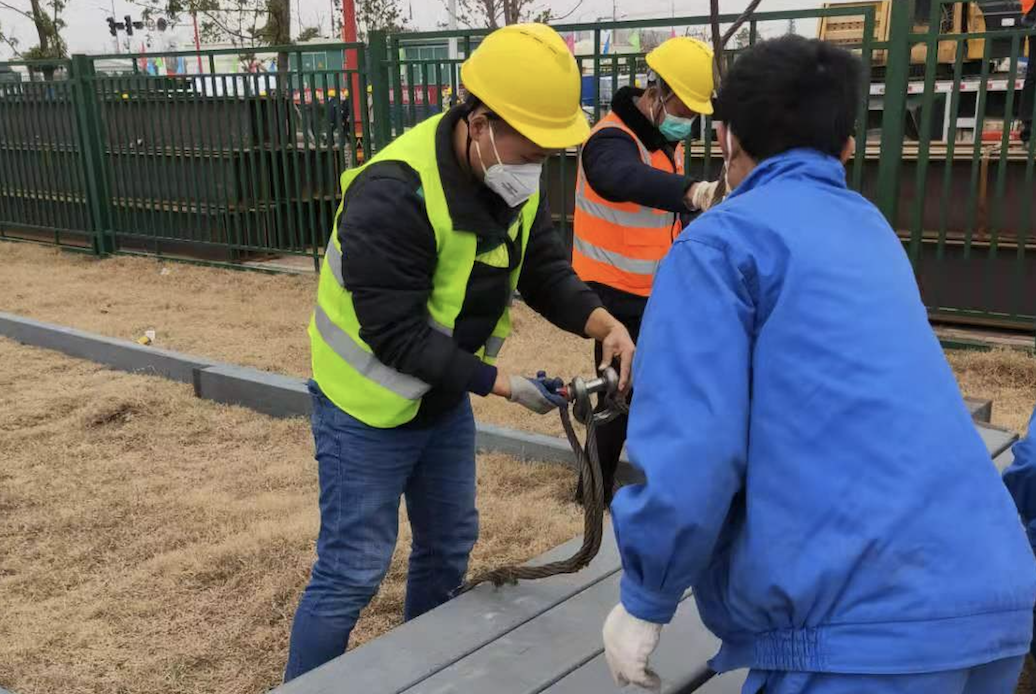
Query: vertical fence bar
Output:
(297,240)
(925,136)
(597,74)
(109,93)
(396,67)
(894,119)
(52,155)
(411,93)
(1025,218)
(309,188)
(155,151)
(322,152)
(951,155)
(34,159)
(380,89)
(866,56)
(192,156)
(82,70)
(69,156)
(977,168)
(7,149)
(251,197)
(996,215)
(231,151)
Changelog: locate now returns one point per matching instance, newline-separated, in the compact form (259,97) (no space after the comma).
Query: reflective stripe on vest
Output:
(621,244)
(601,255)
(366,363)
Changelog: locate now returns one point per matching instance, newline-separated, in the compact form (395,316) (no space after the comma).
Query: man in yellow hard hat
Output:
(633,198)
(431,240)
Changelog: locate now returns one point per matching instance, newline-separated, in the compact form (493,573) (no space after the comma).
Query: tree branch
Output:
(569,13)
(19,10)
(740,21)
(12,43)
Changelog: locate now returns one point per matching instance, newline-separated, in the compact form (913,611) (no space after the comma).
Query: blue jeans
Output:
(998,677)
(363,473)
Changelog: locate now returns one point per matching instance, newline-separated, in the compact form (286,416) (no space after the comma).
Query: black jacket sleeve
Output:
(613,167)
(388,259)
(548,284)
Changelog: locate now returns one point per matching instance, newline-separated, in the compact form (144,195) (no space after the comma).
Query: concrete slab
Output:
(272,394)
(413,652)
(997,440)
(981,410)
(1004,460)
(123,355)
(522,445)
(537,654)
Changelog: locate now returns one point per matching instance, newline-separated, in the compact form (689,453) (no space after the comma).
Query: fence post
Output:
(377,66)
(91,148)
(893,124)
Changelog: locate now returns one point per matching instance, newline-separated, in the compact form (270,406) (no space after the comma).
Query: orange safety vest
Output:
(1027,6)
(620,244)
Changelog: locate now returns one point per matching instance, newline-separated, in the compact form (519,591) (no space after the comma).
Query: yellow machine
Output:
(958,18)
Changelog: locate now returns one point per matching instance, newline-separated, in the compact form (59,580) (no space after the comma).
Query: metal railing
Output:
(235,162)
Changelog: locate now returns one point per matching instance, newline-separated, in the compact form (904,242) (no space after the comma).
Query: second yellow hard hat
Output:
(686,66)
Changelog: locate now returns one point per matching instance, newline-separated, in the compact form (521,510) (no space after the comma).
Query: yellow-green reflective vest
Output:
(344,366)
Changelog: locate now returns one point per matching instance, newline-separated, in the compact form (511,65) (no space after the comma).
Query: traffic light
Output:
(111,27)
(129,25)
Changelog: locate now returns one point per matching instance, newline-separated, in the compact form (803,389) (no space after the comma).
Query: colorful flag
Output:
(606,41)
(570,41)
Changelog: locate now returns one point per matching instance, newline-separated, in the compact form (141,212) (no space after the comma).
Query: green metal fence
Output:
(235,163)
(43,180)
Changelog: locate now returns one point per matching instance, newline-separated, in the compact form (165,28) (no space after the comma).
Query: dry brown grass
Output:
(242,317)
(1006,377)
(259,320)
(153,542)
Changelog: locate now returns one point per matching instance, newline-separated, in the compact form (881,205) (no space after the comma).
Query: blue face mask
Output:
(675,128)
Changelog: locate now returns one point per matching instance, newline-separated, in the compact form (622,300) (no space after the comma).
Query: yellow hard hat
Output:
(526,75)
(686,66)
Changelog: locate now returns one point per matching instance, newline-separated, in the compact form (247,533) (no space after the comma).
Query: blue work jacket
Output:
(811,468)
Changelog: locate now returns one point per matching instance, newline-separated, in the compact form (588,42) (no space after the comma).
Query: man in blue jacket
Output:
(811,469)
(1020,479)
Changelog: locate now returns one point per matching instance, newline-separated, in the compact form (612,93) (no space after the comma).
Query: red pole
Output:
(349,36)
(197,41)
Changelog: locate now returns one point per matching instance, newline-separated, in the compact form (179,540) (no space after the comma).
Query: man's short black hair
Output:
(791,92)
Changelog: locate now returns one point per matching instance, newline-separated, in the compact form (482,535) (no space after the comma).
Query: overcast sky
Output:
(87,30)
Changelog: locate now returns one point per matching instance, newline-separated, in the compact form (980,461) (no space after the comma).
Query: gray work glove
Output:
(537,394)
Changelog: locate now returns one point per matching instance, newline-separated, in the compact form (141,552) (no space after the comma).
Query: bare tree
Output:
(379,15)
(48,22)
(493,14)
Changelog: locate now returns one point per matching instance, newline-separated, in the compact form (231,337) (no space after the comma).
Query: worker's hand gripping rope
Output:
(579,392)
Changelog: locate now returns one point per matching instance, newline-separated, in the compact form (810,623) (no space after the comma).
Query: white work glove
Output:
(537,394)
(628,643)
(703,194)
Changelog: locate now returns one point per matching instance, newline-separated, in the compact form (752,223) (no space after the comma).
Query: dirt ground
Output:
(154,542)
(259,320)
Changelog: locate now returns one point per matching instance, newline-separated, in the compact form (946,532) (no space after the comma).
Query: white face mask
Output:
(515,183)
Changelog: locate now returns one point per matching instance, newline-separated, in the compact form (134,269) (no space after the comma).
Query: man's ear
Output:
(848,150)
(477,123)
